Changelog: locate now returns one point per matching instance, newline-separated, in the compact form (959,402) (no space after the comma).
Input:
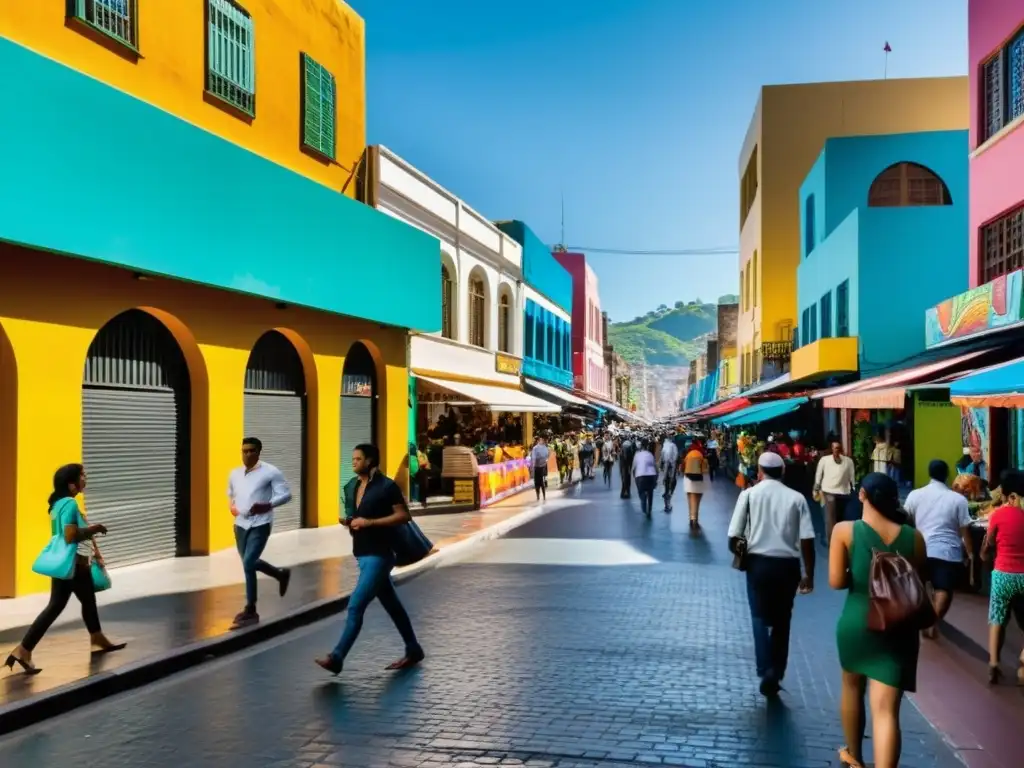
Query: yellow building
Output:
(785,137)
(182,265)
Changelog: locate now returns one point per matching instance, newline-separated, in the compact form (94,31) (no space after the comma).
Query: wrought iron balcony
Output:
(776,351)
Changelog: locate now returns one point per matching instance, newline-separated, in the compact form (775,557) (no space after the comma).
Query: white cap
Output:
(771,460)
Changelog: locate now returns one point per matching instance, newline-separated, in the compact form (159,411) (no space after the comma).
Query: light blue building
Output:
(883,237)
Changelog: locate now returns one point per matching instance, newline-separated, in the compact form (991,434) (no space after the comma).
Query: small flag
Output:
(888,48)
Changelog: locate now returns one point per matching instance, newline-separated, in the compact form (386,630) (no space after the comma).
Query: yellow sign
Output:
(465,492)
(506,364)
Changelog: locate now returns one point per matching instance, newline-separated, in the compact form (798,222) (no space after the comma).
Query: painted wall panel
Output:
(936,427)
(540,269)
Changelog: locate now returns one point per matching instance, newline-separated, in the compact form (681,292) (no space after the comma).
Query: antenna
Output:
(560,248)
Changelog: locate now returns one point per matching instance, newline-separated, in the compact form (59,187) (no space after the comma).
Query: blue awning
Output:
(999,386)
(761,412)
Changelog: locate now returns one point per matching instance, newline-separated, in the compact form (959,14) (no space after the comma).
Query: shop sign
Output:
(440,397)
(465,492)
(995,304)
(508,364)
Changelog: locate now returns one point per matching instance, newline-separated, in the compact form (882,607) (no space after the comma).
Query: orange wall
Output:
(170,73)
(51,307)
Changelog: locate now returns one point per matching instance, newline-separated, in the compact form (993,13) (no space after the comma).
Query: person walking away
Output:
(255,490)
(834,480)
(1006,537)
(695,467)
(646,473)
(539,456)
(881,455)
(776,524)
(943,518)
(66,520)
(887,659)
(713,458)
(608,455)
(374,505)
(587,458)
(626,456)
(669,465)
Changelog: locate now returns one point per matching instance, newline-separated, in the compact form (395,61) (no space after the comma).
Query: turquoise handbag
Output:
(100,577)
(57,560)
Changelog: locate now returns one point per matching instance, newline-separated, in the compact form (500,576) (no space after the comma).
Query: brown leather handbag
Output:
(897,597)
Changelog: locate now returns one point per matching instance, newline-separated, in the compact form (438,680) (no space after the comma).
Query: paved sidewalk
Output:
(176,608)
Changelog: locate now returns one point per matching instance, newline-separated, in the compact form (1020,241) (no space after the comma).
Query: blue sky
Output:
(633,109)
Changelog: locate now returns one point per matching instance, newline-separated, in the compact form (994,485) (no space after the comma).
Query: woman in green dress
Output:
(889,659)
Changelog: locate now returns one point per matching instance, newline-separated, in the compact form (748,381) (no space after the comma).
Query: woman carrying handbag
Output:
(66,560)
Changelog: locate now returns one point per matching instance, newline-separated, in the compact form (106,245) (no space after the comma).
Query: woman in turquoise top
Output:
(887,659)
(66,519)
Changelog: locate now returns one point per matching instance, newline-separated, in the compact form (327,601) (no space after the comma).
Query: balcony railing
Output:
(776,351)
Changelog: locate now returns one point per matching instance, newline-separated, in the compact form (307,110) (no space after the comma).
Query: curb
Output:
(19,715)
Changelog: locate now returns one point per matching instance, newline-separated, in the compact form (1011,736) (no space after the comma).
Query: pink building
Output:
(590,374)
(996,61)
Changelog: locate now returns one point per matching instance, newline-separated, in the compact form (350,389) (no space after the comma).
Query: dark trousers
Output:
(250,543)
(608,473)
(712,464)
(645,486)
(626,478)
(539,479)
(375,582)
(670,483)
(80,585)
(772,583)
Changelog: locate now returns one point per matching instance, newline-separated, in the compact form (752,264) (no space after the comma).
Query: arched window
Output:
(504,324)
(905,184)
(447,310)
(477,312)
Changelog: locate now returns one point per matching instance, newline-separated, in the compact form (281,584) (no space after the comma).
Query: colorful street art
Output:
(992,305)
(974,431)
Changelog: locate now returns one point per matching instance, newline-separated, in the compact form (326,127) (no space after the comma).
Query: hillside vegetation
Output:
(665,336)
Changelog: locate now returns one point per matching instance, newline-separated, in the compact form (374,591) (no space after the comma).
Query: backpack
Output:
(897,599)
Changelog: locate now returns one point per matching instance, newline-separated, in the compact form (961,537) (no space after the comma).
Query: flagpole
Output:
(886,49)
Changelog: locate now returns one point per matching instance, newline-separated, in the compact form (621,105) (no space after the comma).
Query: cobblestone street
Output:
(589,637)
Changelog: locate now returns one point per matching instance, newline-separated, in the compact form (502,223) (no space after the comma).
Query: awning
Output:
(495,398)
(999,386)
(761,412)
(560,395)
(721,409)
(889,390)
(768,386)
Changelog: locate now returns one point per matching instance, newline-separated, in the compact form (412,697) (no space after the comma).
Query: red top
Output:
(1006,531)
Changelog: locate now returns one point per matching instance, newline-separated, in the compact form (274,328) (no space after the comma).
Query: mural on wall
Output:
(974,430)
(992,305)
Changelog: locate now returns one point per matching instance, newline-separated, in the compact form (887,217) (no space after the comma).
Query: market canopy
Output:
(549,392)
(495,398)
(889,390)
(719,409)
(999,386)
(760,412)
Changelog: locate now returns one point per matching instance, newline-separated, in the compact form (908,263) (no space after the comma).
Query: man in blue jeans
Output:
(255,489)
(374,505)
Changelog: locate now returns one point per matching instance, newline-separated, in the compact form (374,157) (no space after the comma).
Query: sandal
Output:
(845,758)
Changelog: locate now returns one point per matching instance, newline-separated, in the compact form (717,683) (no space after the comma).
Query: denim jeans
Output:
(374,582)
(645,485)
(250,543)
(771,588)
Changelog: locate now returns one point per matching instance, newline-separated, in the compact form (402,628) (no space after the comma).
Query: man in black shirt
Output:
(374,505)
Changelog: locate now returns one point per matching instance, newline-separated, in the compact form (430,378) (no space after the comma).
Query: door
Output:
(278,420)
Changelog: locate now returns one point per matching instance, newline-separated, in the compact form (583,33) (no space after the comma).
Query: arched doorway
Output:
(275,412)
(136,401)
(358,405)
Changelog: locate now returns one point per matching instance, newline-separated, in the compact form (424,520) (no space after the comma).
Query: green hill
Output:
(664,336)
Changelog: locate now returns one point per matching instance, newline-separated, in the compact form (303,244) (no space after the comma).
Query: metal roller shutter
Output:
(356,428)
(279,420)
(130,451)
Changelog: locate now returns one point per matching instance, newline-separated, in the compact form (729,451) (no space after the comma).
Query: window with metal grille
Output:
(528,331)
(826,315)
(447,310)
(231,55)
(504,315)
(116,18)
(319,98)
(907,184)
(477,312)
(843,309)
(1002,87)
(1002,245)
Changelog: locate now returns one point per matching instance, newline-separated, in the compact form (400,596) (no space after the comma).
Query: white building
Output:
(477,357)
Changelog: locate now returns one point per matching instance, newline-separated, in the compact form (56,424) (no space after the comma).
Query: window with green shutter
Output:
(231,55)
(116,18)
(318,107)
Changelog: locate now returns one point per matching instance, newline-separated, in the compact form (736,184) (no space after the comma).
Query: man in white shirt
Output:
(834,480)
(943,518)
(645,470)
(539,463)
(669,464)
(775,522)
(255,489)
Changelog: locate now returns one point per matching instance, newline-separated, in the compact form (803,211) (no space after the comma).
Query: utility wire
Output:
(714,251)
